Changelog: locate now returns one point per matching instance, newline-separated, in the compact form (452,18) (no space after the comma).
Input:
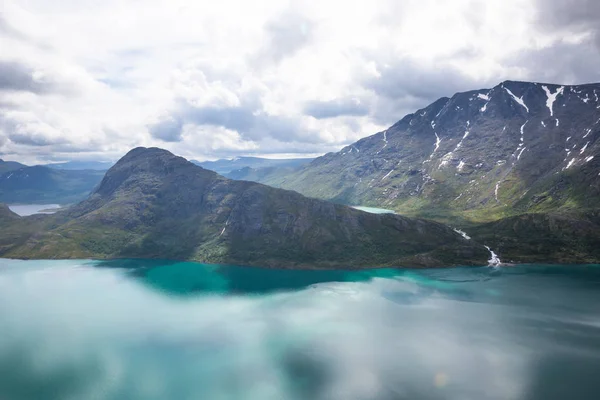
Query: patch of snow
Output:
(461,140)
(445,160)
(543,124)
(226,223)
(569,138)
(385,141)
(521,148)
(388,174)
(552,98)
(583,148)
(557,121)
(570,163)
(496,191)
(517,99)
(590,158)
(522,128)
(461,165)
(8,177)
(437,142)
(494,260)
(484,97)
(461,233)
(587,133)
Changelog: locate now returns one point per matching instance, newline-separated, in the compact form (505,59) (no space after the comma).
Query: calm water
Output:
(134,329)
(374,210)
(30,209)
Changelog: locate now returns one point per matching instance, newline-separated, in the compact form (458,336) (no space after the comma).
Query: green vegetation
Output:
(152,204)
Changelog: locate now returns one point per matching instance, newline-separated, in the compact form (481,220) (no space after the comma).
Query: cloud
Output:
(281,76)
(15,76)
(285,34)
(403,86)
(335,108)
(168,129)
(570,16)
(566,61)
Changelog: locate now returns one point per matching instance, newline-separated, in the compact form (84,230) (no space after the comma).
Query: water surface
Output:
(374,210)
(139,329)
(30,209)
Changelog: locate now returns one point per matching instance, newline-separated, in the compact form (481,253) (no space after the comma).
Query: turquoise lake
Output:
(159,329)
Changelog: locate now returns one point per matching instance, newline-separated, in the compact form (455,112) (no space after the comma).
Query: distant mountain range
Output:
(516,167)
(80,165)
(226,166)
(7,166)
(43,185)
(72,181)
(154,204)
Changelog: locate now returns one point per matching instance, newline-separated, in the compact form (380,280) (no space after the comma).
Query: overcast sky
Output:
(90,79)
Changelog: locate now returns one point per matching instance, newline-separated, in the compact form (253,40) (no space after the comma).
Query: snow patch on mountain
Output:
(552,97)
(519,100)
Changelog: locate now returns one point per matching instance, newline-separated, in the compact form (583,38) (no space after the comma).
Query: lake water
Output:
(30,209)
(374,210)
(138,329)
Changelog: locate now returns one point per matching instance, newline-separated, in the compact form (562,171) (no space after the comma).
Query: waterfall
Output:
(494,260)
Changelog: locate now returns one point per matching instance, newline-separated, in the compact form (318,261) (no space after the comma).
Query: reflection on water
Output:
(374,210)
(135,329)
(29,209)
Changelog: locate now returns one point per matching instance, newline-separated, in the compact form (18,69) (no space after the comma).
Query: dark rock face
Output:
(154,204)
(516,147)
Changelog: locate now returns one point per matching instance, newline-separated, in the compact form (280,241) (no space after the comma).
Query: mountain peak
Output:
(144,167)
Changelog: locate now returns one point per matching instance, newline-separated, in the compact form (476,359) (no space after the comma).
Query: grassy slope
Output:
(166,207)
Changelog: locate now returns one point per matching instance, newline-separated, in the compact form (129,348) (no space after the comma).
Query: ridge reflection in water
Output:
(139,329)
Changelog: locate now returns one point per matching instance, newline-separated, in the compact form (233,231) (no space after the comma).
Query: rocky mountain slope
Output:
(477,156)
(44,185)
(154,204)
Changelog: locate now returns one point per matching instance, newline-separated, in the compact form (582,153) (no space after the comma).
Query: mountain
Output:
(477,156)
(7,166)
(261,174)
(225,166)
(81,165)
(44,185)
(156,205)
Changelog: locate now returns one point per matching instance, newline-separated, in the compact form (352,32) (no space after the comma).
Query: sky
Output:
(91,79)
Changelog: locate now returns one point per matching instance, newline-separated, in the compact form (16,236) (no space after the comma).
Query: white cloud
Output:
(96,78)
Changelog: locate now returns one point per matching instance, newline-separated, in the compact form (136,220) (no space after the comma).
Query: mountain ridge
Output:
(157,205)
(473,151)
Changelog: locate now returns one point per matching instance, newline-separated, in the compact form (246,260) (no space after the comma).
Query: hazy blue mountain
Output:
(44,185)
(225,166)
(79,165)
(7,166)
